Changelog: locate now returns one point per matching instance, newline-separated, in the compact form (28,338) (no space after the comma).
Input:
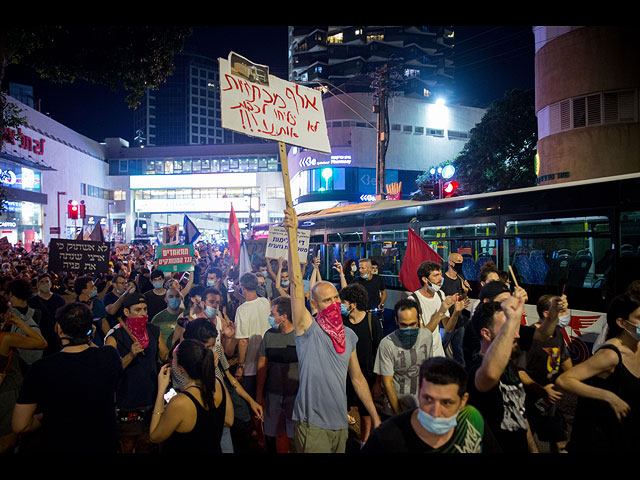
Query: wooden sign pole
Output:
(294,264)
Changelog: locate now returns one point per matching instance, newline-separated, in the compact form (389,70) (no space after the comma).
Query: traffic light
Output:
(449,188)
(72,210)
(82,212)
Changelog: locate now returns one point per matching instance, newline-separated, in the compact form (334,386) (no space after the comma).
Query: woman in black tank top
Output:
(608,384)
(193,420)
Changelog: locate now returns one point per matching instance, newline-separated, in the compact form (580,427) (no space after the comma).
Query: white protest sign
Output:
(260,105)
(123,249)
(278,244)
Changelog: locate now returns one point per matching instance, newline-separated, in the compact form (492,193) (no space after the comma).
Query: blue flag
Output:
(191,232)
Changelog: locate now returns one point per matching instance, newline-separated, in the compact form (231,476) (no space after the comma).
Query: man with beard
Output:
(495,387)
(326,354)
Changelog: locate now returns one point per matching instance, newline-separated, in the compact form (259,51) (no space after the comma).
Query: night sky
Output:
(489,60)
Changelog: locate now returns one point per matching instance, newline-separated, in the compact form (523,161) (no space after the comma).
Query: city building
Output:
(44,165)
(185,110)
(346,55)
(422,133)
(202,181)
(131,191)
(586,90)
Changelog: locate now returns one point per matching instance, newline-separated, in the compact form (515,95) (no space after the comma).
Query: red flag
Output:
(234,236)
(418,251)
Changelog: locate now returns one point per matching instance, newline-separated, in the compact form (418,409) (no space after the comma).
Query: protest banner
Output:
(78,256)
(123,249)
(175,258)
(261,105)
(278,243)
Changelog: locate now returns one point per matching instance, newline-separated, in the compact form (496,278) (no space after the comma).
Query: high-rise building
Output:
(185,110)
(587,82)
(341,54)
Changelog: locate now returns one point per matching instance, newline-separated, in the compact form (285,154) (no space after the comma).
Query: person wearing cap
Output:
(493,291)
(69,396)
(141,347)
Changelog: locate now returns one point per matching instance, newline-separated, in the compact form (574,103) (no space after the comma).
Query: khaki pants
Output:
(308,438)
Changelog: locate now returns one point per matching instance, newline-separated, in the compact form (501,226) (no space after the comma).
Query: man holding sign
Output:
(326,354)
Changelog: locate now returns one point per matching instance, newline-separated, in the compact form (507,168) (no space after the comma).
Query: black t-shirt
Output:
(451,287)
(396,435)
(76,394)
(109,299)
(155,303)
(373,288)
(48,320)
(502,407)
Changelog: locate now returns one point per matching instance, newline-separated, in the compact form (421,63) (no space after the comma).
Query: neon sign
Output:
(308,162)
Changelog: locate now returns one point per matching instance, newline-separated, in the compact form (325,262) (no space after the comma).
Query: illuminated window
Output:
(337,38)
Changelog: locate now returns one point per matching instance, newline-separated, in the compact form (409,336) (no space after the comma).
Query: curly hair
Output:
(355,293)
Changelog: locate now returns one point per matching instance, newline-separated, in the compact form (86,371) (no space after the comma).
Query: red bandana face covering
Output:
(138,327)
(330,320)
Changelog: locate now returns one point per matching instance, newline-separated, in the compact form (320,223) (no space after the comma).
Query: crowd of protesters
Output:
(218,360)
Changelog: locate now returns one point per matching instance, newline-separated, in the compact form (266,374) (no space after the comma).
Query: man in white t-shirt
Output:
(434,305)
(252,320)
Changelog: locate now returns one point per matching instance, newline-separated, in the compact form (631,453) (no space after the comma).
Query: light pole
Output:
(58,195)
(109,205)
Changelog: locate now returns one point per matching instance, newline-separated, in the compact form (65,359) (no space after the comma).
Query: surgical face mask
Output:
(365,276)
(261,291)
(343,309)
(433,287)
(44,287)
(210,312)
(174,303)
(437,425)
(93,293)
(563,320)
(211,283)
(158,285)
(354,269)
(408,337)
(284,283)
(272,322)
(264,274)
(635,334)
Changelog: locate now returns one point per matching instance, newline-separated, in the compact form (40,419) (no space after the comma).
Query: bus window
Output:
(630,235)
(581,262)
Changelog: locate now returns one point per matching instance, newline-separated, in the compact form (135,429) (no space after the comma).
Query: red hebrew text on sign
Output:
(275,110)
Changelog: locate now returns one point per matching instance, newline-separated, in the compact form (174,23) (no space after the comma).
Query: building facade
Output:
(586,85)
(45,165)
(185,110)
(202,181)
(423,133)
(347,54)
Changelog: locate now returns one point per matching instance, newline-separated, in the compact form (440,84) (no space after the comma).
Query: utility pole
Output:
(380,85)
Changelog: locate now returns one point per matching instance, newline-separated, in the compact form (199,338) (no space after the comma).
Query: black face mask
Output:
(458,268)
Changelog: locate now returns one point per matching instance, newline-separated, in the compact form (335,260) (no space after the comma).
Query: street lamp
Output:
(58,195)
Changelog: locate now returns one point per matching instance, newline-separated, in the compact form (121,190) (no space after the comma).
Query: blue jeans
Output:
(225,443)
